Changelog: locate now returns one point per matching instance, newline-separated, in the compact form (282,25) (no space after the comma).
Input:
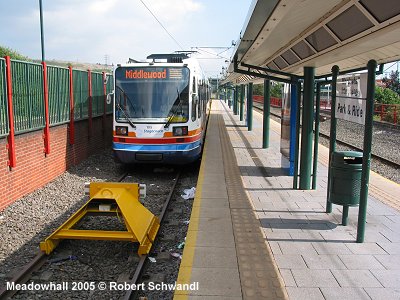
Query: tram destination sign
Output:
(351,96)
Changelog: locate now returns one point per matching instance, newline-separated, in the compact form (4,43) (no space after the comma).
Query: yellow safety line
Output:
(185,270)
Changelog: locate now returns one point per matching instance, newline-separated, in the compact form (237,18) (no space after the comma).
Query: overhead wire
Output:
(170,35)
(217,55)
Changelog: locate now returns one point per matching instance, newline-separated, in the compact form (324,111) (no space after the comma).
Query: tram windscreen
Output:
(152,94)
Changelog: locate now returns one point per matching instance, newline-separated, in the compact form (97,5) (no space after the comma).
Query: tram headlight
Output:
(121,130)
(180,130)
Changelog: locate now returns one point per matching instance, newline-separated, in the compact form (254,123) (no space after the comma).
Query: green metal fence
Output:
(28,104)
(81,94)
(58,85)
(28,95)
(97,94)
(3,101)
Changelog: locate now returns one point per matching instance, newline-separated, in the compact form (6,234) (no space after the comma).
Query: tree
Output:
(258,89)
(386,96)
(276,90)
(392,82)
(5,51)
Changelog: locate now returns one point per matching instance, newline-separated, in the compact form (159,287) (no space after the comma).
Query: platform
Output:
(251,236)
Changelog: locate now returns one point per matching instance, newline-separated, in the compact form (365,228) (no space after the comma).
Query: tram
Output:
(161,108)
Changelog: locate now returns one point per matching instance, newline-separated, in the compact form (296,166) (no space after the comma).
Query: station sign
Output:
(152,73)
(351,93)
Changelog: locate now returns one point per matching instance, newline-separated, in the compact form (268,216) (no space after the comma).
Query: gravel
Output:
(32,218)
(29,220)
(385,143)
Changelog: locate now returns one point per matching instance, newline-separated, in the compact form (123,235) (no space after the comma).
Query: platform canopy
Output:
(287,35)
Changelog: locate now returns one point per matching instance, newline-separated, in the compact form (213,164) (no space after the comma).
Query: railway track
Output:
(345,144)
(41,260)
(132,294)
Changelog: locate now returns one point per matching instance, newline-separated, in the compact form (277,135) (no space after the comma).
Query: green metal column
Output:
(316,136)
(225,94)
(266,114)
(229,95)
(332,134)
(307,129)
(296,146)
(362,211)
(250,107)
(235,101)
(241,101)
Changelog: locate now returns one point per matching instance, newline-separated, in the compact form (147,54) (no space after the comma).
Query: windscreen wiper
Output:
(118,105)
(127,117)
(173,114)
(126,96)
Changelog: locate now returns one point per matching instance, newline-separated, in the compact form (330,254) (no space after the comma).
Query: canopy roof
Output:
(287,35)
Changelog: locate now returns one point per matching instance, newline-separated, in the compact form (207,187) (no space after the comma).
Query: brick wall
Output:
(34,169)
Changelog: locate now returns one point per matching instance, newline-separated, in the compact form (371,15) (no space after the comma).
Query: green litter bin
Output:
(346,170)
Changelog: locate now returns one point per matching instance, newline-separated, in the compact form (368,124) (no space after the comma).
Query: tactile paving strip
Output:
(259,276)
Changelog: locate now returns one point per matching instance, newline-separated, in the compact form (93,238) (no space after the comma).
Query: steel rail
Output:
(132,294)
(35,264)
(24,275)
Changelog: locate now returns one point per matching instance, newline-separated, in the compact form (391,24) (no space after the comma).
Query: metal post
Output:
(316,136)
(12,160)
(332,134)
(307,129)
(46,111)
(225,91)
(103,123)
(41,29)
(235,101)
(267,111)
(229,92)
(241,101)
(362,211)
(345,215)
(90,112)
(293,119)
(296,146)
(71,108)
(250,107)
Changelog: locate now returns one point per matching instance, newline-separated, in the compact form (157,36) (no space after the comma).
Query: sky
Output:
(100,31)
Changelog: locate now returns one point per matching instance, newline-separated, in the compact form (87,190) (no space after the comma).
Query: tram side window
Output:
(195,100)
(200,99)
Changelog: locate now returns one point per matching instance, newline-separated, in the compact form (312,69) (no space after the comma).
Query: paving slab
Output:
(356,278)
(314,278)
(344,294)
(297,293)
(390,262)
(383,293)
(291,261)
(361,262)
(216,282)
(388,278)
(323,262)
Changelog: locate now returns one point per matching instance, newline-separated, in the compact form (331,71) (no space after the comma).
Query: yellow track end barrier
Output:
(108,198)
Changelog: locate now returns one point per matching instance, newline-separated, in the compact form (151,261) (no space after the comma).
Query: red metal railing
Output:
(12,161)
(275,102)
(46,134)
(387,112)
(71,108)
